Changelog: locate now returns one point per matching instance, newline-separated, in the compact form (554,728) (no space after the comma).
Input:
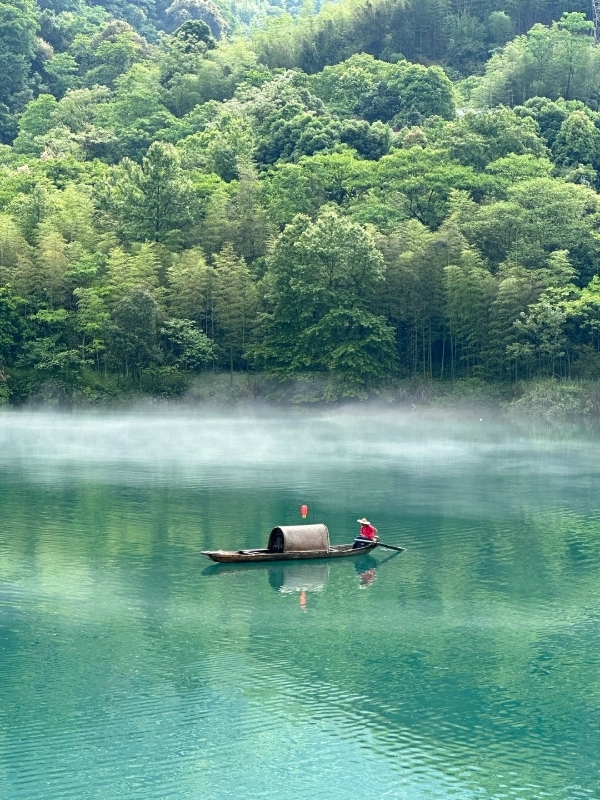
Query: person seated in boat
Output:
(367,535)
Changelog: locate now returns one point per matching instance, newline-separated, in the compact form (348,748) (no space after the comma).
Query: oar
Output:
(386,559)
(391,547)
(381,544)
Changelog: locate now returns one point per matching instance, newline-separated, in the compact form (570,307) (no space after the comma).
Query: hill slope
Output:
(304,202)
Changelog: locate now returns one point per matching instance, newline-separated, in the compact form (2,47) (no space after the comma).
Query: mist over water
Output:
(130,667)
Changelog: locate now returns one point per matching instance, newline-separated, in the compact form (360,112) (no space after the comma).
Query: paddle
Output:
(381,544)
(391,547)
(389,558)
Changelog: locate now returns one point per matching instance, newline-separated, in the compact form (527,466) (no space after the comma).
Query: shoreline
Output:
(550,400)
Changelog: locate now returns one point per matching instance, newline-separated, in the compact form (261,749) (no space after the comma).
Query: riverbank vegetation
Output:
(367,196)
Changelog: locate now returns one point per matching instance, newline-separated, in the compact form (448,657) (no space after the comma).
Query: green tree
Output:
(470,291)
(421,182)
(154,200)
(322,280)
(49,355)
(187,347)
(548,114)
(477,139)
(514,168)
(585,310)
(409,94)
(112,52)
(36,120)
(540,216)
(340,85)
(136,114)
(555,61)
(427,92)
(132,334)
(246,210)
(577,142)
(189,294)
(221,147)
(15,252)
(542,330)
(235,303)
(355,346)
(499,27)
(18,28)
(62,70)
(11,326)
(303,188)
(413,292)
(369,141)
(195,33)
(126,272)
(92,318)
(52,258)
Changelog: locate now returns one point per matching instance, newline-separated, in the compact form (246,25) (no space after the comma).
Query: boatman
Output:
(367,535)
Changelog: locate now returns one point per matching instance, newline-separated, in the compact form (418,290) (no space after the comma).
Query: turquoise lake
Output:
(133,668)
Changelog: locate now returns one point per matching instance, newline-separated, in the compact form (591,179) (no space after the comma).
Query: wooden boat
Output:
(290,542)
(238,556)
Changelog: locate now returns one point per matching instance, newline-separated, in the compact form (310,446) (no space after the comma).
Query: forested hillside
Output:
(369,192)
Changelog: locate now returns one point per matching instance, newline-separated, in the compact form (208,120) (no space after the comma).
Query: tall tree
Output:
(470,291)
(132,334)
(18,28)
(235,301)
(190,285)
(321,283)
(577,142)
(154,200)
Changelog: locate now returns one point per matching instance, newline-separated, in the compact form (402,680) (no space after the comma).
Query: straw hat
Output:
(363,521)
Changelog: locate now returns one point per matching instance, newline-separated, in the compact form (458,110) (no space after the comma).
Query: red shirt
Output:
(368,531)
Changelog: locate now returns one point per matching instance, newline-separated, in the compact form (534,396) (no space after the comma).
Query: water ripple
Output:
(467,667)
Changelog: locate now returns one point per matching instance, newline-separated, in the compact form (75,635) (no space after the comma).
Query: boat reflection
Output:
(284,577)
(288,578)
(301,578)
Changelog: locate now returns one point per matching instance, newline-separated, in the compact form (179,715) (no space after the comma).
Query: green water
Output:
(468,666)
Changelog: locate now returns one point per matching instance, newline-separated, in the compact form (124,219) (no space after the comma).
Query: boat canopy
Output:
(298,539)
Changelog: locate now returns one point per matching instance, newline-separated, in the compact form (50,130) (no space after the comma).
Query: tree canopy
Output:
(375,190)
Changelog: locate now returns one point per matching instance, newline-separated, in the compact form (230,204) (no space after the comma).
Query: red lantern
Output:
(304,511)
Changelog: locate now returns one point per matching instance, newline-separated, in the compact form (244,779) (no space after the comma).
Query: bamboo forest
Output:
(361,194)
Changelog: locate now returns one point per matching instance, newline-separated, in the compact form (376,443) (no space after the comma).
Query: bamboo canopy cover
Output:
(299,539)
